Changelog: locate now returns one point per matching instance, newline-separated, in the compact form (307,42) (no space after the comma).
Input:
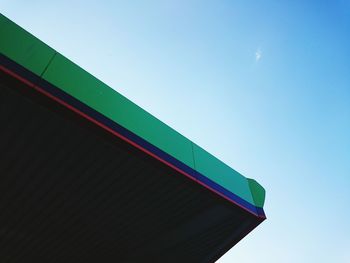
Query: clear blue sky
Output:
(263,85)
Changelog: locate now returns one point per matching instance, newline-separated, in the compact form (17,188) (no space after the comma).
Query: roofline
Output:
(44,78)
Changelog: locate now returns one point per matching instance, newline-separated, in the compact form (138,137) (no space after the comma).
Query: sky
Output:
(262,85)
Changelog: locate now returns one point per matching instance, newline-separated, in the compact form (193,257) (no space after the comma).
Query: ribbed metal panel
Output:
(71,192)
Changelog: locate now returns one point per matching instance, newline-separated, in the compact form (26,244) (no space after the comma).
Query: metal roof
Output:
(79,150)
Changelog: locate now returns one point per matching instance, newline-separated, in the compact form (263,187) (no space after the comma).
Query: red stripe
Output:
(15,75)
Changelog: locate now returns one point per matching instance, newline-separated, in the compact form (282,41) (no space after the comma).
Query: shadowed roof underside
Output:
(82,181)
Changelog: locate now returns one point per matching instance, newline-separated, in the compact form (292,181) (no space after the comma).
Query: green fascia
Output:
(221,173)
(258,192)
(31,53)
(77,82)
(23,48)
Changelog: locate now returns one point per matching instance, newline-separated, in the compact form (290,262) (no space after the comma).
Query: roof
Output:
(48,72)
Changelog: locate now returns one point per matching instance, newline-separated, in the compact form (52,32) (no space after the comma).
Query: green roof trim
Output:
(77,82)
(23,48)
(221,173)
(34,55)
(258,192)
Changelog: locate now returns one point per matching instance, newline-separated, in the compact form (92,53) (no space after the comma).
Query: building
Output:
(88,176)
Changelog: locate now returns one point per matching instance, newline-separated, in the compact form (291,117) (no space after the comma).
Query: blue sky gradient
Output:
(263,85)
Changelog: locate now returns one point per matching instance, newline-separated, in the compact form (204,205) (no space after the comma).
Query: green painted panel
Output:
(258,192)
(80,84)
(36,56)
(214,169)
(22,47)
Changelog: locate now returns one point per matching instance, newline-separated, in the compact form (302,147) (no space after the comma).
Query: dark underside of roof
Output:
(72,192)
